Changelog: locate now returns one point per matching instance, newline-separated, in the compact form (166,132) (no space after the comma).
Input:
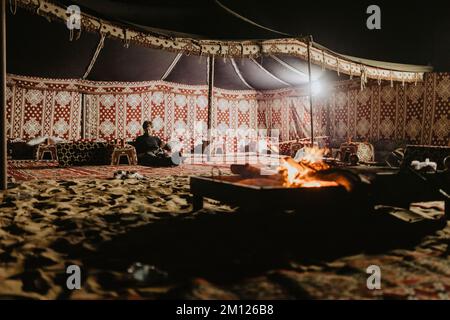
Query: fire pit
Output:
(293,185)
(310,184)
(236,191)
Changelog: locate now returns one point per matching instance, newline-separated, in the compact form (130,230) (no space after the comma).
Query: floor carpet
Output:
(43,170)
(25,170)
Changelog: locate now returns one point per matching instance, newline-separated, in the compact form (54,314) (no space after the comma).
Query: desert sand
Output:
(105,226)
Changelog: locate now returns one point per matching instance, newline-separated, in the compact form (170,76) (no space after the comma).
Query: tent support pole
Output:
(3,144)
(83,117)
(210,96)
(310,90)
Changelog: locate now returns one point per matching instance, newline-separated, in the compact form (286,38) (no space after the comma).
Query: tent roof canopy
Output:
(130,53)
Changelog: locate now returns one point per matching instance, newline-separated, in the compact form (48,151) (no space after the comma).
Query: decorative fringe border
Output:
(232,49)
(118,87)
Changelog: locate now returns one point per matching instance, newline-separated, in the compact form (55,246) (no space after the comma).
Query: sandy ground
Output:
(104,226)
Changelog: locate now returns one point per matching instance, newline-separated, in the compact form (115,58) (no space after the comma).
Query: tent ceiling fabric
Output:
(133,64)
(36,47)
(189,70)
(44,49)
(230,82)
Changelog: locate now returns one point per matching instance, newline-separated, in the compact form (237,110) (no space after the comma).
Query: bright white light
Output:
(316,88)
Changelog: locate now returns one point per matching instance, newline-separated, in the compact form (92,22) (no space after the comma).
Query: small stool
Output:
(127,151)
(44,149)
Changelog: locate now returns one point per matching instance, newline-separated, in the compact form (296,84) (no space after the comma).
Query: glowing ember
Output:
(311,184)
(319,183)
(292,172)
(297,173)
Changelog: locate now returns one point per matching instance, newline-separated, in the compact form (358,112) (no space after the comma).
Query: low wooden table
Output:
(127,151)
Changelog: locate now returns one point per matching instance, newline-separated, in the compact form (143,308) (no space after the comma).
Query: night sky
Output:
(415,32)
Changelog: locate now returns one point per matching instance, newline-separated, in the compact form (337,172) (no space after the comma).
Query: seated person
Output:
(151,151)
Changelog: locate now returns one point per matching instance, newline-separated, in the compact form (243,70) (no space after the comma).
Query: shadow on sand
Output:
(225,247)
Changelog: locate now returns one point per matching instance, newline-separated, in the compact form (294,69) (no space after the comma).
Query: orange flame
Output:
(296,173)
(311,155)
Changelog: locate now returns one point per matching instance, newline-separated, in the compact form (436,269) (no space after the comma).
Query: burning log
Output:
(253,172)
(344,178)
(300,174)
(246,170)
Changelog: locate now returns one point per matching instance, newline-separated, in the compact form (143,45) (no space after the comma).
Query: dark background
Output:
(415,32)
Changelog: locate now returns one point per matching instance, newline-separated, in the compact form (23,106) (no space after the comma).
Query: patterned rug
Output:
(25,170)
(44,170)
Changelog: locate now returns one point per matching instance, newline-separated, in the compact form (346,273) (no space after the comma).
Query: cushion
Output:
(84,153)
(20,150)
(365,152)
(285,148)
(36,141)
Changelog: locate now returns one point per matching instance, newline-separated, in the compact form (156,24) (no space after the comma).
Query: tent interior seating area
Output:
(294,167)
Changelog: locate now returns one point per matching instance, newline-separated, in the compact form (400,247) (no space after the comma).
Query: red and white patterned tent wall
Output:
(106,111)
(415,113)
(121,76)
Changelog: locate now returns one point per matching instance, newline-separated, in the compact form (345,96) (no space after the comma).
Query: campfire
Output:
(307,183)
(300,184)
(301,172)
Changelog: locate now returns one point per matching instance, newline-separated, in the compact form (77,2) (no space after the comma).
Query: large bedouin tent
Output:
(216,162)
(103,62)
